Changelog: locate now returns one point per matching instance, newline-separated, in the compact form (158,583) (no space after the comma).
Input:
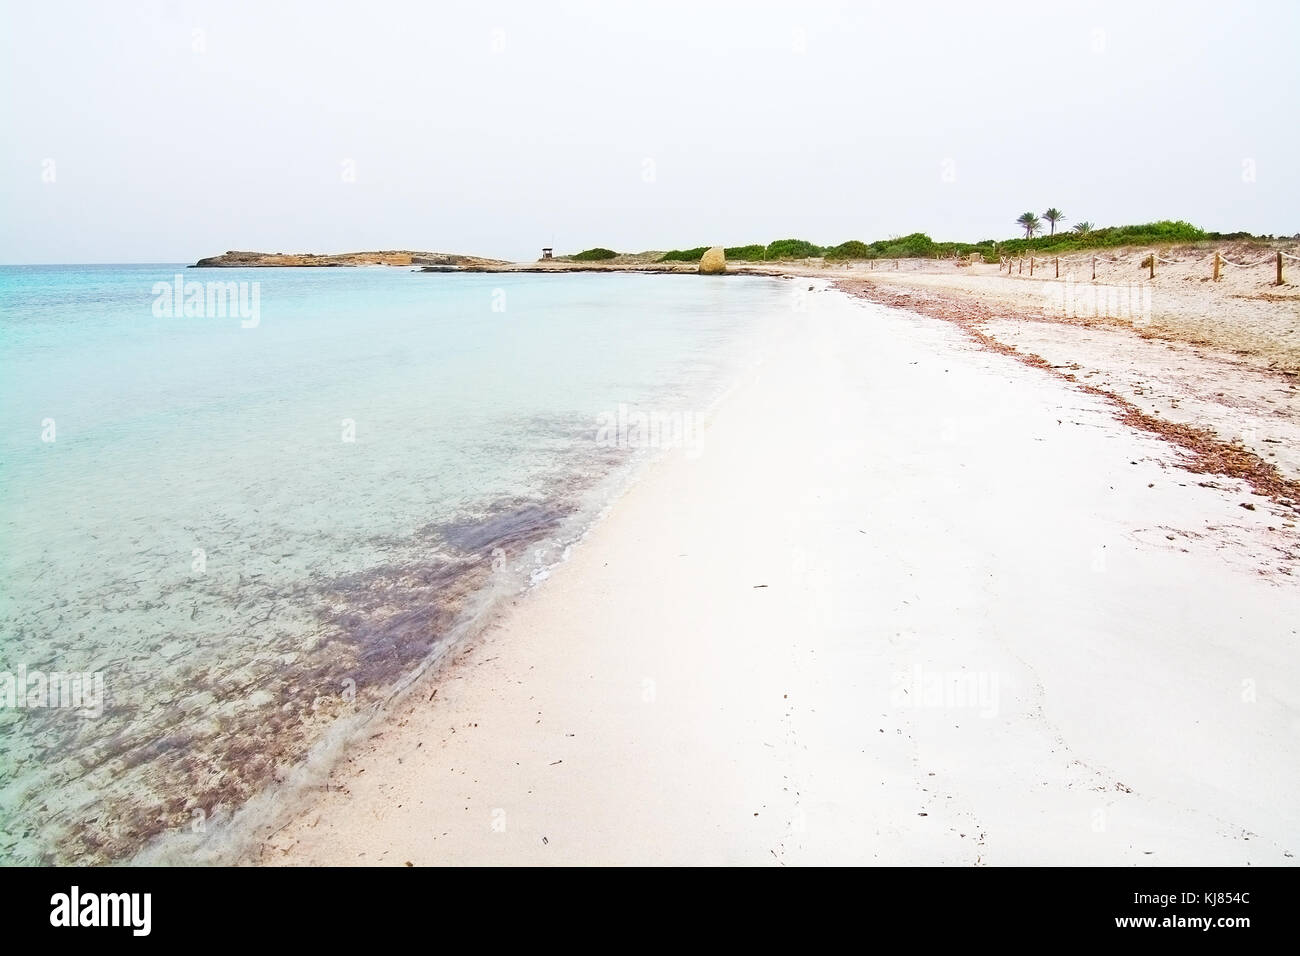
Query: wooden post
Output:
(1218,262)
(1021,270)
(1057,260)
(1153,265)
(1031,265)
(1279,269)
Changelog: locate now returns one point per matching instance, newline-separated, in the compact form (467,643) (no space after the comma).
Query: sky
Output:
(163,132)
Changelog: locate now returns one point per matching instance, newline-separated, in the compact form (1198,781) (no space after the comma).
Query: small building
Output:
(546,252)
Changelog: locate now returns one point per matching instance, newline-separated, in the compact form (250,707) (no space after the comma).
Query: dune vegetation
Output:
(919,245)
(597,254)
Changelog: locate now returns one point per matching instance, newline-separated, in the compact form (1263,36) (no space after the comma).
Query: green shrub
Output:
(791,249)
(593,255)
(916,245)
(853,249)
(1150,233)
(685,255)
(920,245)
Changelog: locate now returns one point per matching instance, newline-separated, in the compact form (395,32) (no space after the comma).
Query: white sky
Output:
(497,128)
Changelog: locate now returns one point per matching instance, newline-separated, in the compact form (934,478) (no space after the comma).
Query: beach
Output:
(451,436)
(355,474)
(910,599)
(1212,367)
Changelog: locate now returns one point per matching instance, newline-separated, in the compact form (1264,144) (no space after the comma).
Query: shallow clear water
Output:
(253,533)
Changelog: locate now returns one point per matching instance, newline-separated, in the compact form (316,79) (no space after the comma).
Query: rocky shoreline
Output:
(454,262)
(435,261)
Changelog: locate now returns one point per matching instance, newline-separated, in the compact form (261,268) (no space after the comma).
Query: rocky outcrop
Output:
(252,260)
(713,262)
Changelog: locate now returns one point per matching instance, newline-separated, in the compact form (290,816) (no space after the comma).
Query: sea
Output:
(243,510)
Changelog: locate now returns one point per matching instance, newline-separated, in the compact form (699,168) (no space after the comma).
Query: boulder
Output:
(714,262)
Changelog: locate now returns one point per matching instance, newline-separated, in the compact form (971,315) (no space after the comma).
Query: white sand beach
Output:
(914,602)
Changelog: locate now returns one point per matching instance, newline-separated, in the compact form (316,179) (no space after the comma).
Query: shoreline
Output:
(714,675)
(483,561)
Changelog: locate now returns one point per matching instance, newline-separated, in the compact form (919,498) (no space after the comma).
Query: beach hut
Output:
(546,252)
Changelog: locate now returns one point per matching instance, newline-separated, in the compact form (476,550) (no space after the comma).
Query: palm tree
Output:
(1083,228)
(1053,216)
(1028,221)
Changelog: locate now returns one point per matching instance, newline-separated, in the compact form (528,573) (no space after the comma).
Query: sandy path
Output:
(914,603)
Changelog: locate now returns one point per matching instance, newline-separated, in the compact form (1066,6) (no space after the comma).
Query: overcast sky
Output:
(162,132)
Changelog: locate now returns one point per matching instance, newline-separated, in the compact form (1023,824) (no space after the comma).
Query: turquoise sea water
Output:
(255,534)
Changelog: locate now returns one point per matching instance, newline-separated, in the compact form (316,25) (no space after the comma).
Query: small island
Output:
(435,261)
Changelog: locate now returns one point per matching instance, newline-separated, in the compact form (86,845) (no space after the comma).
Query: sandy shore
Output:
(914,602)
(1243,316)
(1223,358)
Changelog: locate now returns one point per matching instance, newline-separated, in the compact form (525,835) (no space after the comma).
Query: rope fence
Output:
(1217,258)
(1035,264)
